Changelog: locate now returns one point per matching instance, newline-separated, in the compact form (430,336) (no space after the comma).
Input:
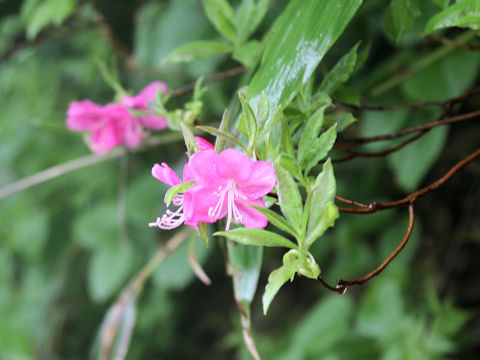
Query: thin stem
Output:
(388,260)
(80,163)
(410,199)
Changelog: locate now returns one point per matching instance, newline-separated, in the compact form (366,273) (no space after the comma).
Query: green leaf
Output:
(341,72)
(246,263)
(221,134)
(257,237)
(321,147)
(196,50)
(263,111)
(250,120)
(221,140)
(465,14)
(343,120)
(299,39)
(249,53)
(286,142)
(40,14)
(441,3)
(409,168)
(276,280)
(290,164)
(276,220)
(321,210)
(400,15)
(249,16)
(108,270)
(222,17)
(309,135)
(289,197)
(174,190)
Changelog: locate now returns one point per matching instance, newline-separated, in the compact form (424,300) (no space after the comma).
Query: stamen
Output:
(171,219)
(232,193)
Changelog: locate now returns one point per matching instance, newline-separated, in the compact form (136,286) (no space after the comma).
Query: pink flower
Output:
(227,184)
(141,102)
(109,126)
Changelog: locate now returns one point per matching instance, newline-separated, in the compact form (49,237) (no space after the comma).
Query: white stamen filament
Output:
(171,219)
(232,193)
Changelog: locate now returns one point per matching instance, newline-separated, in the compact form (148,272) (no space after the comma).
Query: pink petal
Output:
(145,96)
(165,174)
(104,139)
(203,145)
(252,218)
(234,164)
(84,115)
(261,181)
(203,169)
(153,122)
(196,204)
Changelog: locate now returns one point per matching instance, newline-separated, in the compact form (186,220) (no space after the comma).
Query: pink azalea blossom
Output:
(109,126)
(227,184)
(141,102)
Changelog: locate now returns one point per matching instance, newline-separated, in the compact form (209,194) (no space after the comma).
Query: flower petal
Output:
(203,169)
(145,96)
(234,164)
(165,174)
(252,218)
(104,139)
(153,122)
(203,145)
(197,202)
(261,181)
(84,115)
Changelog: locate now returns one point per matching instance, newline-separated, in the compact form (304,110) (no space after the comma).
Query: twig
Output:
(209,79)
(417,104)
(351,202)
(430,125)
(447,41)
(80,163)
(341,286)
(410,199)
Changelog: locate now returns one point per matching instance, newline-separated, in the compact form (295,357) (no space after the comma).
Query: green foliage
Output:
(464,14)
(400,17)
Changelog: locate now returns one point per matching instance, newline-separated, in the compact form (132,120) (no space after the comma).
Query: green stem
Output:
(420,65)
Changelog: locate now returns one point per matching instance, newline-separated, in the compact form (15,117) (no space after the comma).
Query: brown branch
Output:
(427,126)
(417,104)
(447,41)
(219,76)
(353,154)
(351,202)
(341,286)
(410,199)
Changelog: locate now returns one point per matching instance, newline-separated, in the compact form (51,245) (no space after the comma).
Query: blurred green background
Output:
(62,258)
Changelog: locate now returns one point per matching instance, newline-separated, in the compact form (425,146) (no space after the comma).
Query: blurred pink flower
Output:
(113,125)
(141,102)
(109,126)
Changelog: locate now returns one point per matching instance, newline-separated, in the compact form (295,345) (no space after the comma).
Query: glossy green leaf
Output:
(221,15)
(343,120)
(257,237)
(299,39)
(246,263)
(309,135)
(290,164)
(276,280)
(321,210)
(221,134)
(289,197)
(400,16)
(276,220)
(197,50)
(341,72)
(250,120)
(465,14)
(321,147)
(174,190)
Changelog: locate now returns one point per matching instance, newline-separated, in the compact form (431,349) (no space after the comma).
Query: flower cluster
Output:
(225,185)
(112,125)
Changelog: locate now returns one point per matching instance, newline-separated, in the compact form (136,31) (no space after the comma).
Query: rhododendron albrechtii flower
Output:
(113,124)
(226,185)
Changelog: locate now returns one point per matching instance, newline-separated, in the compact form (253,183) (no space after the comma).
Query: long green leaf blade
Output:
(257,237)
(300,38)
